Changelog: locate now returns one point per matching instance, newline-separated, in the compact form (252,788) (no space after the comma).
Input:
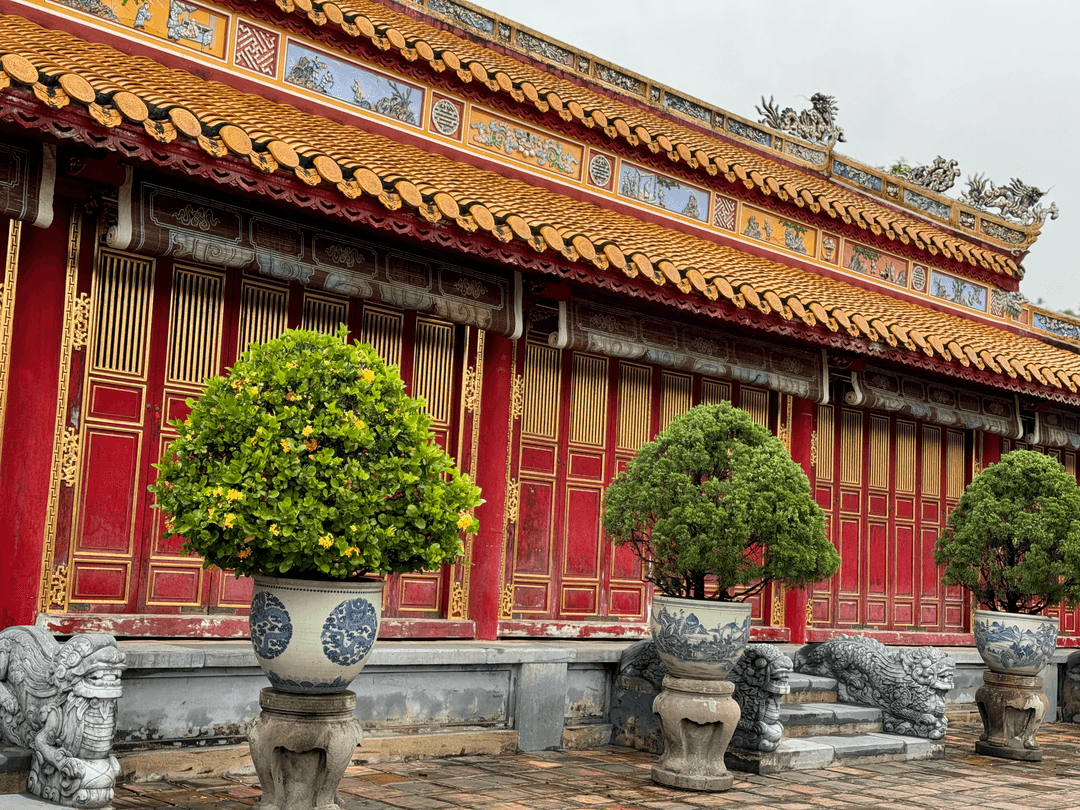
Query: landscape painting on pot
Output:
(309,462)
(716,508)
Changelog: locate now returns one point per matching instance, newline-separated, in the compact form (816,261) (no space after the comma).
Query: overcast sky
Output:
(989,83)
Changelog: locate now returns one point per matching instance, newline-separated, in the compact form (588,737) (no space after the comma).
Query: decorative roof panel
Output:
(117,90)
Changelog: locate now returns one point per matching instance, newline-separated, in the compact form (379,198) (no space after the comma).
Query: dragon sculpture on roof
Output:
(1017,201)
(818,124)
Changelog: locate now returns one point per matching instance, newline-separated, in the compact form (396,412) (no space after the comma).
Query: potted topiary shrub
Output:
(310,469)
(1013,541)
(716,509)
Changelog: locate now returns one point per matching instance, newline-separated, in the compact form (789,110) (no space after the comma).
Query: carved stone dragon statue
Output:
(1017,201)
(939,176)
(760,677)
(908,685)
(60,702)
(818,124)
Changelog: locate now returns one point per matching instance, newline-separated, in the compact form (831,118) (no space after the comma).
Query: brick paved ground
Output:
(614,778)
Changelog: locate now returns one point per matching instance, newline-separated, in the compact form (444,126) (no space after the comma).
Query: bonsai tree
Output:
(716,508)
(308,459)
(1014,538)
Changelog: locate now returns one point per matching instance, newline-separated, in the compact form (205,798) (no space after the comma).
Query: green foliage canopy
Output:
(716,508)
(309,460)
(1014,538)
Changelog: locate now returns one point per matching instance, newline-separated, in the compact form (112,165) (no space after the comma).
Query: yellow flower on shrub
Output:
(285,445)
(233,495)
(464,520)
(244,553)
(367,375)
(274,529)
(307,431)
(326,541)
(230,519)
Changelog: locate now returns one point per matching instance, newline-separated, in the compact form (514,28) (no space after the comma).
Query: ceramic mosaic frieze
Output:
(660,191)
(830,248)
(924,203)
(524,144)
(868,261)
(600,171)
(856,175)
(447,116)
(256,48)
(193,26)
(959,291)
(1045,322)
(353,84)
(724,212)
(765,226)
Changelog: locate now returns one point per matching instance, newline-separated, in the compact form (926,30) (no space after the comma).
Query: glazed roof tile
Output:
(115,89)
(501,73)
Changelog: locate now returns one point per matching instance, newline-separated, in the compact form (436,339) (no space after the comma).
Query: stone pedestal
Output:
(1012,709)
(697,718)
(301,746)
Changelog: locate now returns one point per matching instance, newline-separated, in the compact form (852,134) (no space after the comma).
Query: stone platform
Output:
(615,778)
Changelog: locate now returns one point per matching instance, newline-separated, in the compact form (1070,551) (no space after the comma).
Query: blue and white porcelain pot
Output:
(311,636)
(1015,643)
(699,639)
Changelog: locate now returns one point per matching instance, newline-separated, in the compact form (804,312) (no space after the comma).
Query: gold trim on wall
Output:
(755,401)
(48,590)
(880,451)
(541,391)
(635,407)
(905,457)
(7,314)
(851,446)
(263,313)
(588,400)
(458,606)
(675,394)
(931,461)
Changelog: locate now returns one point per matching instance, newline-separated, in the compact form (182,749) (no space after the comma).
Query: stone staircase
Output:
(820,732)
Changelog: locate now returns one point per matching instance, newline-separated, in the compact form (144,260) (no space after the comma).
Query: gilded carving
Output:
(69,456)
(471,392)
(60,435)
(513,500)
(814,449)
(58,586)
(506,602)
(80,322)
(517,397)
(776,615)
(458,601)
(809,613)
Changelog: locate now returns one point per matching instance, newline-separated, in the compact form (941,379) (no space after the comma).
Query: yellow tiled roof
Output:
(118,89)
(414,39)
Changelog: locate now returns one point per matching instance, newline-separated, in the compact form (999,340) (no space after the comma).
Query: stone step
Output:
(816,719)
(14,769)
(810,689)
(829,751)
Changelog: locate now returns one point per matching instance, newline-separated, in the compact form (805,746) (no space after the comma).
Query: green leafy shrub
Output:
(309,460)
(715,502)
(1014,538)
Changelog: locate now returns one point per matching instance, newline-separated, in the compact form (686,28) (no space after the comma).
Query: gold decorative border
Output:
(512,494)
(65,445)
(458,607)
(7,314)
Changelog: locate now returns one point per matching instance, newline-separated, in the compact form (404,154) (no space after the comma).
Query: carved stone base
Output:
(1012,709)
(301,746)
(697,719)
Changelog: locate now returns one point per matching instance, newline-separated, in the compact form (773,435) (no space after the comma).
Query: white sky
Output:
(989,83)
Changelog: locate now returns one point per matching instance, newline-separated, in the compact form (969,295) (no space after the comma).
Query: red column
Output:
(29,421)
(991,449)
(802,430)
(491,478)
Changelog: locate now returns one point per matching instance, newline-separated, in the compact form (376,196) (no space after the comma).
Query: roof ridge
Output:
(60,69)
(390,28)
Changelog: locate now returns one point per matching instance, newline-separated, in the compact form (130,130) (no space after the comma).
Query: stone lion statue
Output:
(760,677)
(60,702)
(908,684)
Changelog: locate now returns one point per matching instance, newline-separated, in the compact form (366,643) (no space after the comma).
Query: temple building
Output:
(559,254)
